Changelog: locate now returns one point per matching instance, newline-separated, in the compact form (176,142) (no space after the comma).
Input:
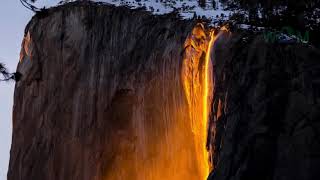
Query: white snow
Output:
(186,8)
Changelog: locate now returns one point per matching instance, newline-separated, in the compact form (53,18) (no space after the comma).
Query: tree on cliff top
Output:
(4,72)
(8,76)
(28,5)
(273,11)
(301,15)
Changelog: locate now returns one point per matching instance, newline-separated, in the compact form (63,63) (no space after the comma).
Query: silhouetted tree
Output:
(4,71)
(302,15)
(202,3)
(8,76)
(27,4)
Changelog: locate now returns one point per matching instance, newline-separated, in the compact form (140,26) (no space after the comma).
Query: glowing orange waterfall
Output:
(196,80)
(206,104)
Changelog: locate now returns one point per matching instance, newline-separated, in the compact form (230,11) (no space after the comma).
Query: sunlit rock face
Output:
(265,110)
(103,97)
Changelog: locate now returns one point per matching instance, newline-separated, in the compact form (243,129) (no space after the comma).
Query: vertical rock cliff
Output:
(265,110)
(103,96)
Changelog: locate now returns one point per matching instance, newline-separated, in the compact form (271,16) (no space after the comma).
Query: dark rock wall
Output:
(265,112)
(102,97)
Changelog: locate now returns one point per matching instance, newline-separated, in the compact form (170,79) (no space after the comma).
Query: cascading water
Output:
(207,80)
(197,80)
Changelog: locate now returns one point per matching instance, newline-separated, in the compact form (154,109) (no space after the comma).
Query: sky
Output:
(13,18)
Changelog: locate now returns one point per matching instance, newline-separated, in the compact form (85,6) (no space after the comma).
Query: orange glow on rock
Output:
(206,103)
(196,80)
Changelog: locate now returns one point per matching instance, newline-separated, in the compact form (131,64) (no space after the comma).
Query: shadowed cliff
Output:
(265,111)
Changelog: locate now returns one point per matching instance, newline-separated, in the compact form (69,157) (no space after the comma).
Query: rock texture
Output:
(265,119)
(102,97)
(112,94)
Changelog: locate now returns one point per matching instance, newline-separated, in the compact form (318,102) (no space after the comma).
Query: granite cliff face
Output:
(109,93)
(102,96)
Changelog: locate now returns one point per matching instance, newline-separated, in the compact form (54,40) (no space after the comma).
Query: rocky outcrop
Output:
(265,119)
(102,97)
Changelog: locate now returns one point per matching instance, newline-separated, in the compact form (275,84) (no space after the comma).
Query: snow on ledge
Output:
(187,8)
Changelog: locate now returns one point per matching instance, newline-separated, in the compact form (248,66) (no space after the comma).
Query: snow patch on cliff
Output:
(213,9)
(187,9)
